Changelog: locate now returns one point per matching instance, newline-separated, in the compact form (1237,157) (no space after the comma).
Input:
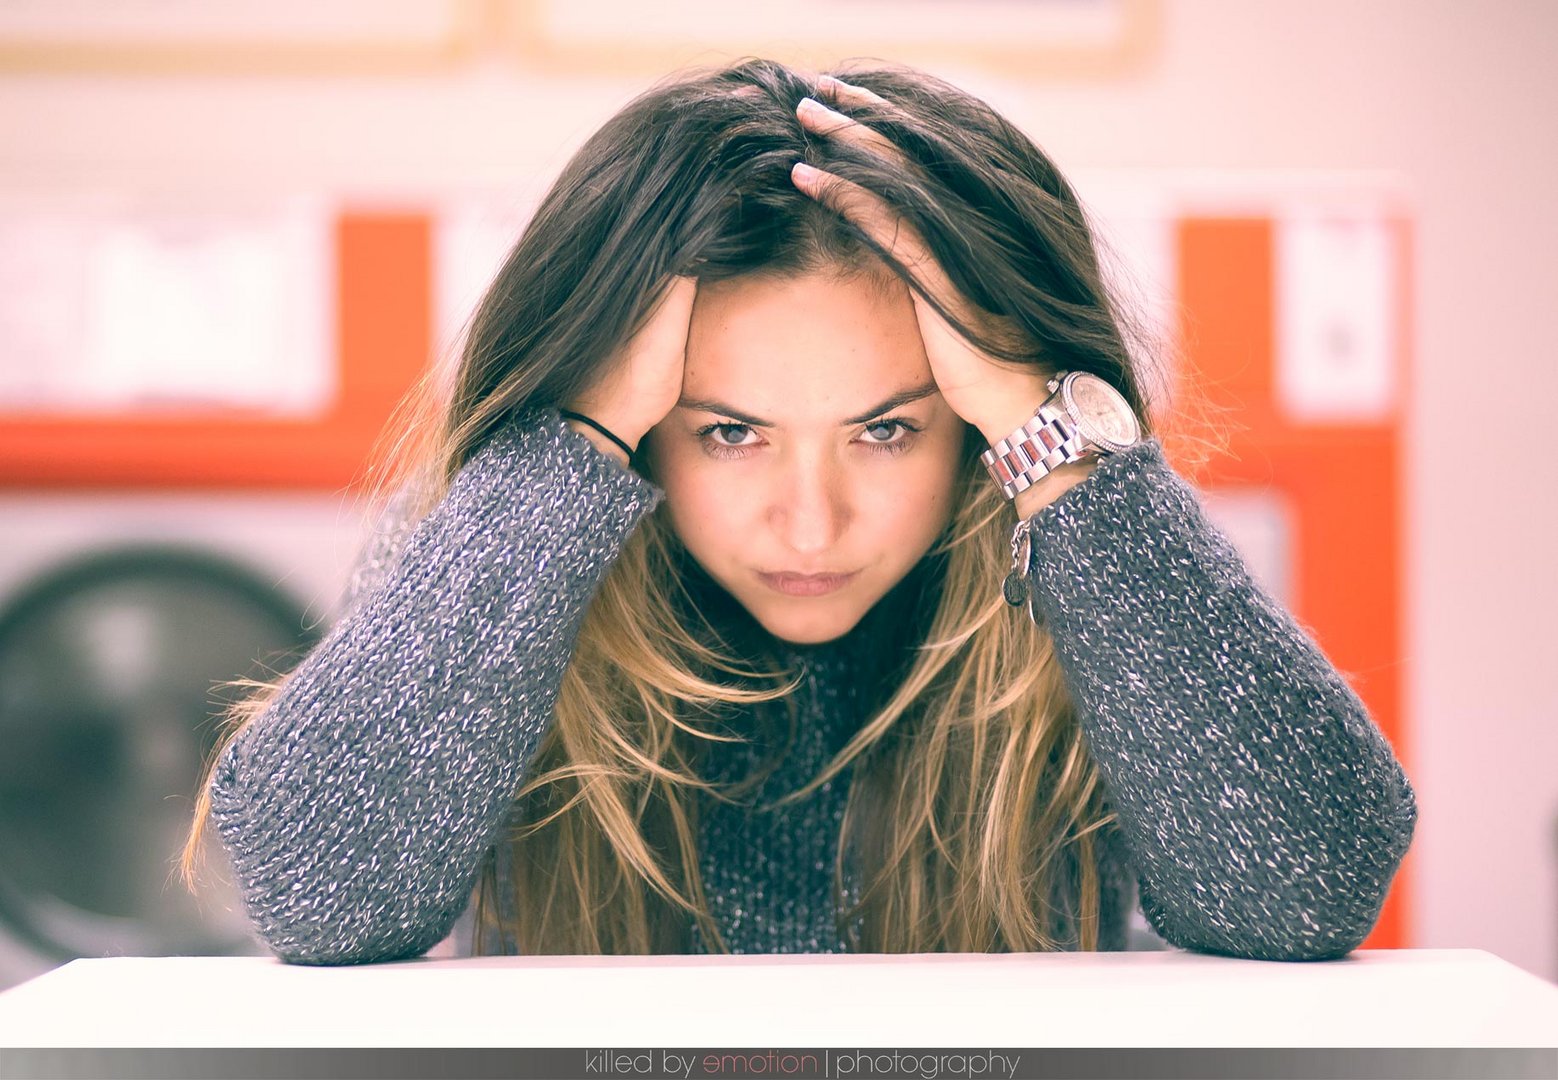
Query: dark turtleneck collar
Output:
(844,680)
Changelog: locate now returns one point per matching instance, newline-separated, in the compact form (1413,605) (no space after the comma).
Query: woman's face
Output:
(795,448)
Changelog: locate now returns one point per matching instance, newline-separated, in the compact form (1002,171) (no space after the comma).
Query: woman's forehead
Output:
(811,349)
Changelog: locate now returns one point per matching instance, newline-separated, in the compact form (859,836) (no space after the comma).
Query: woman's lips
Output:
(806,584)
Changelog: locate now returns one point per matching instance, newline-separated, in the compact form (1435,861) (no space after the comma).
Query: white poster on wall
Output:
(1336,318)
(141,312)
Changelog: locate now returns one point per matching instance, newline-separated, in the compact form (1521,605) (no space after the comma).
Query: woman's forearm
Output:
(356,808)
(1265,811)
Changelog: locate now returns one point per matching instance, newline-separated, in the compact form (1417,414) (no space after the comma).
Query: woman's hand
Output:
(639,386)
(994,396)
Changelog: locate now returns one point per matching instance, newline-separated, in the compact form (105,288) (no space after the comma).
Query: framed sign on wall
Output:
(1030,38)
(276,37)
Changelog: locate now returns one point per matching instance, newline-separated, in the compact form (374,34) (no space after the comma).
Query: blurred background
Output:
(231,236)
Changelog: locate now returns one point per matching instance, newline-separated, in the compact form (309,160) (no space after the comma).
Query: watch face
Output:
(1103,415)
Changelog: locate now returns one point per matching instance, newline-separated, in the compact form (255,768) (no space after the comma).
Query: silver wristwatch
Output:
(1083,416)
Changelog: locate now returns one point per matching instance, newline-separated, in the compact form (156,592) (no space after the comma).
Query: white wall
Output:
(1459,99)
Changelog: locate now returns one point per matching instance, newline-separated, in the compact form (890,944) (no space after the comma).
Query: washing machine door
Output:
(111,693)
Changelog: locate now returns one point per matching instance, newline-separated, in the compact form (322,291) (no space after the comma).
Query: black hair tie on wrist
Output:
(626,449)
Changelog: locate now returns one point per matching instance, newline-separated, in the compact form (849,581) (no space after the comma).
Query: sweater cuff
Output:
(541,446)
(1084,510)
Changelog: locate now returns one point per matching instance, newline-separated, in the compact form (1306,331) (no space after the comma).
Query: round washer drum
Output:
(112,673)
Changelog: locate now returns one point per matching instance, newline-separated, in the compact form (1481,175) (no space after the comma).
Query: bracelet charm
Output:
(1015,588)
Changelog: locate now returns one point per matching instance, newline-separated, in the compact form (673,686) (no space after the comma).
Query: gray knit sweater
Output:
(1261,811)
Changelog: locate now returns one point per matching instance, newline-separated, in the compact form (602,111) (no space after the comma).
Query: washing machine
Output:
(124,618)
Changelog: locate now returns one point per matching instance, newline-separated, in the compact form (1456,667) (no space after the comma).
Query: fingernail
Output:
(804,172)
(812,106)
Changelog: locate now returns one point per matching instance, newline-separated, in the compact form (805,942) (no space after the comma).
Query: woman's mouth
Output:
(806,584)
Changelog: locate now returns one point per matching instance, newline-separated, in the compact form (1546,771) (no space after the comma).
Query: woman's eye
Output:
(899,433)
(728,440)
(720,430)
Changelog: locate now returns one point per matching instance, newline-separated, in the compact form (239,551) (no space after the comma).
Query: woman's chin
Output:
(812,628)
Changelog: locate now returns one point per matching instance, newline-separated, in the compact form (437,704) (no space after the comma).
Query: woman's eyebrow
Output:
(903,397)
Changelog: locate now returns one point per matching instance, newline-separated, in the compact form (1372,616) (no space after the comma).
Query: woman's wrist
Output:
(601,442)
(1059,481)
(616,435)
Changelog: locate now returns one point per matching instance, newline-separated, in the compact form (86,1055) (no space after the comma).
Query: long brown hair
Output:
(975,810)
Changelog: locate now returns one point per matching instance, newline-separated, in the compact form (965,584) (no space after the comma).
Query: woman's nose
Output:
(810,508)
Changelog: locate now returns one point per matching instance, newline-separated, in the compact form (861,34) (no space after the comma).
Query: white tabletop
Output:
(1373,998)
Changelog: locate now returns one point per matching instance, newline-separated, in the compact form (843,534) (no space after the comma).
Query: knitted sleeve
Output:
(357,807)
(1264,811)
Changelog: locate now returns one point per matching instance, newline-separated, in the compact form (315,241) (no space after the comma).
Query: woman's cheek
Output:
(701,496)
(719,492)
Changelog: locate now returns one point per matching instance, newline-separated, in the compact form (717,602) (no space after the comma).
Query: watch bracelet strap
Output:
(1032,452)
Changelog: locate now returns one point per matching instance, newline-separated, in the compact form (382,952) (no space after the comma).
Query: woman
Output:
(586,690)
